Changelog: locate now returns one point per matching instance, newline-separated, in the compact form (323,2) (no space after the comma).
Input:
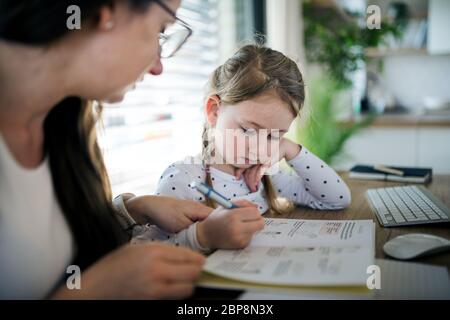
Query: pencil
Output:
(213,195)
(385,169)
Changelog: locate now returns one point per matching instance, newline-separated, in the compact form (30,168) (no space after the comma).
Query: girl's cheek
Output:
(223,145)
(219,142)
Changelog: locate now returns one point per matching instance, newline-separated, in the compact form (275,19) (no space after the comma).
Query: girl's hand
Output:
(288,149)
(253,175)
(146,271)
(230,229)
(170,214)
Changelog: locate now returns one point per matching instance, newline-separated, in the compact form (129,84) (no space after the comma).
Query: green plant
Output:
(336,39)
(320,131)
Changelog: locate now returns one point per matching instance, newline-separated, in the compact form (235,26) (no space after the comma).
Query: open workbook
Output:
(293,252)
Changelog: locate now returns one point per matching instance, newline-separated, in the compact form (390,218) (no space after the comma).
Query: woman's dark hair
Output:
(79,176)
(40,22)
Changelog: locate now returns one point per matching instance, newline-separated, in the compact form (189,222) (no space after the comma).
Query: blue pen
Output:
(213,194)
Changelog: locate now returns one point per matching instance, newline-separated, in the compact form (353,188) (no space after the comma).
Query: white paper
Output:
(295,232)
(301,252)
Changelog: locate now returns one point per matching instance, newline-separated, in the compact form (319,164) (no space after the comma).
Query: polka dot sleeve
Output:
(313,184)
(176,182)
(186,238)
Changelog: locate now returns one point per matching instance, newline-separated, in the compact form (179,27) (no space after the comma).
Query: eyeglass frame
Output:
(181,22)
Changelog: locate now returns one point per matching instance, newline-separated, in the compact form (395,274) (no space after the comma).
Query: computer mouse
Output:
(414,245)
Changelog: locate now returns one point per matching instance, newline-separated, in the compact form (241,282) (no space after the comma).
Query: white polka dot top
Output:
(313,184)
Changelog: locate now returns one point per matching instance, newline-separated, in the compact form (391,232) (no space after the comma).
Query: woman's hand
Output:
(170,214)
(147,271)
(230,228)
(253,175)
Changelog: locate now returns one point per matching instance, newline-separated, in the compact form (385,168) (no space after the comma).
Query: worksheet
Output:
(297,252)
(294,232)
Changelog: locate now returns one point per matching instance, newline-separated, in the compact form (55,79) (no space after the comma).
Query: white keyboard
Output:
(406,205)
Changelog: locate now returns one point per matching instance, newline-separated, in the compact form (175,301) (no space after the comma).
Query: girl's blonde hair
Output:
(252,71)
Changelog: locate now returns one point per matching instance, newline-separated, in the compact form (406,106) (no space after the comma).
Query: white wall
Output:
(410,78)
(439,26)
(415,147)
(285,28)
(227,30)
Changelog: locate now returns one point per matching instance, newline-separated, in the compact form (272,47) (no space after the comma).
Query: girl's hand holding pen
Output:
(230,228)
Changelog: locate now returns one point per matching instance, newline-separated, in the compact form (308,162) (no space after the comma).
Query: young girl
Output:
(258,88)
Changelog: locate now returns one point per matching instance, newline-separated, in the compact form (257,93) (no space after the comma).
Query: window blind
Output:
(161,120)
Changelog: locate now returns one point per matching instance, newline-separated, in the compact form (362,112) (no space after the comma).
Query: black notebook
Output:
(414,175)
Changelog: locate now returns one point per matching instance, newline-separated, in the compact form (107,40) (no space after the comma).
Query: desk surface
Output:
(359,209)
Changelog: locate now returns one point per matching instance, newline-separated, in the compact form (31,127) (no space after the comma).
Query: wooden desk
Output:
(359,209)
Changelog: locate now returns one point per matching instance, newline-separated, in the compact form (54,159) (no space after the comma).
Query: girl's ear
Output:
(212,109)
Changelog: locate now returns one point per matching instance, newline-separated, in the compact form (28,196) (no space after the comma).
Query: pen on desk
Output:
(385,169)
(207,191)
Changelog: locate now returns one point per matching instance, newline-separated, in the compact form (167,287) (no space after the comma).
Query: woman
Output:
(55,199)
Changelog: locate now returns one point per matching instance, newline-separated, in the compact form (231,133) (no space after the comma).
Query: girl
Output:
(258,88)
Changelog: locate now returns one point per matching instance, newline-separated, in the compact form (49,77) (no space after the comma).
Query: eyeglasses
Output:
(175,36)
